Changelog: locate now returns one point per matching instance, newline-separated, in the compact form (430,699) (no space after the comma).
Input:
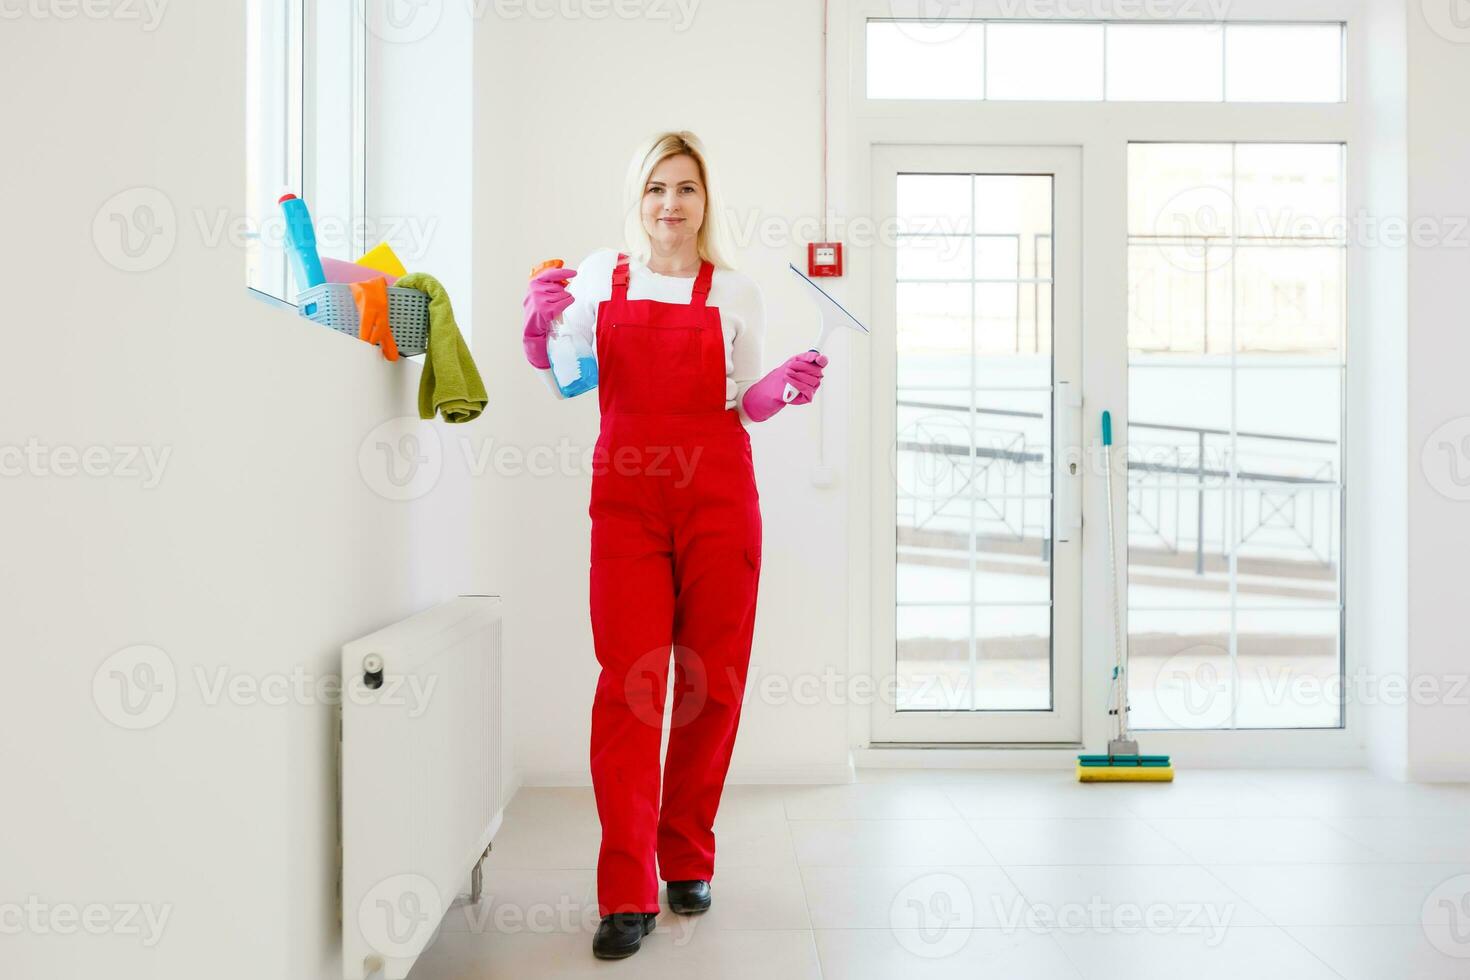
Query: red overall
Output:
(676,539)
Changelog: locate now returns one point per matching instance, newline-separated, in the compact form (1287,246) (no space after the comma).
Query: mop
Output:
(1122,764)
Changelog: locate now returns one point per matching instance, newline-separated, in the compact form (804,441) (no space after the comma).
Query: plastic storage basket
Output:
(331,305)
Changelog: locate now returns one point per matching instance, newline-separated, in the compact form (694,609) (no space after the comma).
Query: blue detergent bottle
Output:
(573,361)
(300,243)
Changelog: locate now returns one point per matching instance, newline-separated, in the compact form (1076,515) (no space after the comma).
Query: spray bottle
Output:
(573,361)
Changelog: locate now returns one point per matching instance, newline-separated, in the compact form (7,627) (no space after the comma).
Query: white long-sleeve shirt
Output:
(741,305)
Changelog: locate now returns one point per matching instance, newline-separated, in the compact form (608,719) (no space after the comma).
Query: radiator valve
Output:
(372,671)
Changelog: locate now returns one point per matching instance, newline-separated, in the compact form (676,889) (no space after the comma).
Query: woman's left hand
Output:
(803,372)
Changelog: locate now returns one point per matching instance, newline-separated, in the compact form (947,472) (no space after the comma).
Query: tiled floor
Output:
(1009,875)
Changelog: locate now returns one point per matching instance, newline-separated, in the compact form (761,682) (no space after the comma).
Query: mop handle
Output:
(1121,670)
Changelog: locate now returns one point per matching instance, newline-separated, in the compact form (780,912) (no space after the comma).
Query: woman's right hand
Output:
(546,298)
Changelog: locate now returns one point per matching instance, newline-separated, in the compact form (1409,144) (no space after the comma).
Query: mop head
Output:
(1124,769)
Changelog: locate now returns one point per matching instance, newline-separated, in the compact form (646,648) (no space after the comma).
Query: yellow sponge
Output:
(1125,774)
(381,257)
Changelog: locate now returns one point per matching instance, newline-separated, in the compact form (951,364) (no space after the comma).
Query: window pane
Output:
(935,204)
(933,672)
(1288,669)
(1290,191)
(1192,393)
(1181,527)
(273,153)
(1044,61)
(916,60)
(1179,189)
(1179,298)
(1283,63)
(1179,670)
(1165,62)
(1289,545)
(934,257)
(1289,299)
(973,465)
(1290,419)
(1235,429)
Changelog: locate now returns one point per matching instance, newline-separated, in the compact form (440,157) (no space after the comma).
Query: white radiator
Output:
(421,777)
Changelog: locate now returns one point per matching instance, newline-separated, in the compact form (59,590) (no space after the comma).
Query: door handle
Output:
(1068,459)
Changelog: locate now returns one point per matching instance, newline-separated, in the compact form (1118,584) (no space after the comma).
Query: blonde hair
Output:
(713,240)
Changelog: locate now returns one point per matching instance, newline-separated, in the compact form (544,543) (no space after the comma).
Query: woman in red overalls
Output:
(676,525)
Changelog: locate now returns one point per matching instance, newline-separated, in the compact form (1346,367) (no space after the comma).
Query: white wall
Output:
(1376,574)
(1438,406)
(261,550)
(559,106)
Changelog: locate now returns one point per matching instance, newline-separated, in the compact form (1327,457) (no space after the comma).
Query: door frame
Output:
(1061,724)
(856,124)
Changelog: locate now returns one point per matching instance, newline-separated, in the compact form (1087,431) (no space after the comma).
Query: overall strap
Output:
(702,284)
(620,279)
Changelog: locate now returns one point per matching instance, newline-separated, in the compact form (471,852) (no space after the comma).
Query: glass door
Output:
(977,401)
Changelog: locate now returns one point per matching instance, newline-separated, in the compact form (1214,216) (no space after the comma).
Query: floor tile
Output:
(880,843)
(1338,894)
(1379,952)
(1259,953)
(755,898)
(714,953)
(1039,795)
(548,828)
(868,801)
(1264,840)
(1410,839)
(1099,897)
(880,898)
(885,954)
(1076,840)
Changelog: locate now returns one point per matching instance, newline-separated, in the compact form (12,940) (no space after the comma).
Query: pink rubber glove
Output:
(803,372)
(546,297)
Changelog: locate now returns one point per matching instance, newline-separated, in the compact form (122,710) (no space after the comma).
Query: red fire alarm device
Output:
(823,259)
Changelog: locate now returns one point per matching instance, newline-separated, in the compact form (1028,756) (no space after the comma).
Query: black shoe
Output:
(689,897)
(621,933)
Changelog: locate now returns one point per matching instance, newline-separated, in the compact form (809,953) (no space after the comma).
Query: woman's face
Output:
(673,203)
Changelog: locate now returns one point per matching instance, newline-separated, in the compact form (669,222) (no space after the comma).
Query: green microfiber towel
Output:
(450,383)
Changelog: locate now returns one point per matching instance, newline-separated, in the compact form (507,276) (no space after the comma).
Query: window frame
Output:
(1103,131)
(1104,81)
(321,156)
